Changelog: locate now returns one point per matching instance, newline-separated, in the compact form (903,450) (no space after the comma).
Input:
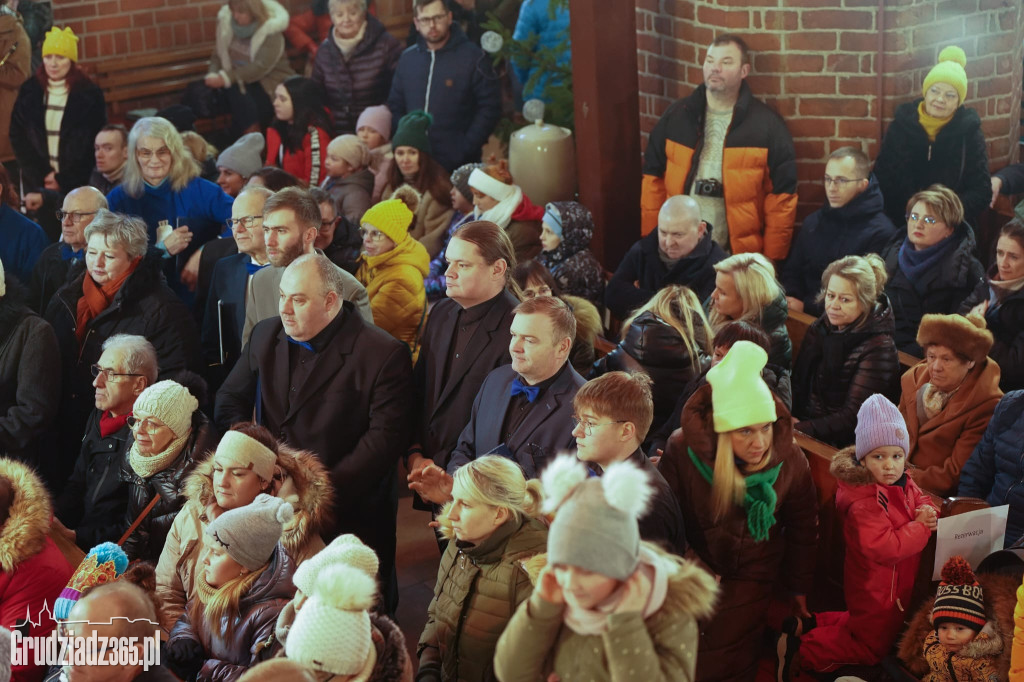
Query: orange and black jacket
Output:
(758,169)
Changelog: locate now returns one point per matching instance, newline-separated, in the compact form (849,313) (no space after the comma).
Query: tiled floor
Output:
(417,560)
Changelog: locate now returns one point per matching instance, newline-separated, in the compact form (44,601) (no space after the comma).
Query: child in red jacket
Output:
(887,521)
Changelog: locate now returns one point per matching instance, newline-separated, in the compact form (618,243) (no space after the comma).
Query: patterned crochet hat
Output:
(104,564)
(959,598)
(61,42)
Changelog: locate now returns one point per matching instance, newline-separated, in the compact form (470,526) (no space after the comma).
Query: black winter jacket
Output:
(51,273)
(655,348)
(145,306)
(572,264)
(856,229)
(84,115)
(773,323)
(908,162)
(642,265)
(464,97)
(941,290)
(1006,322)
(361,81)
(836,371)
(147,541)
(95,500)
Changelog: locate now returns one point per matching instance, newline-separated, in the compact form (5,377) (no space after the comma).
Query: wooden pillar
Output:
(607,120)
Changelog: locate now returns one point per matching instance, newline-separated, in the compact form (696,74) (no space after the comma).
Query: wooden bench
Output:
(798,322)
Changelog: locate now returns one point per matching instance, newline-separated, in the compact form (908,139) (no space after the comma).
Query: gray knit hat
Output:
(880,424)
(460,179)
(245,156)
(250,533)
(596,525)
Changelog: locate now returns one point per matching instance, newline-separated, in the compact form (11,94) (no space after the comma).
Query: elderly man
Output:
(291,222)
(111,150)
(680,251)
(94,502)
(524,410)
(731,152)
(323,379)
(62,262)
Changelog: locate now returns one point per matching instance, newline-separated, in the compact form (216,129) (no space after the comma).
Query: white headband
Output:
(496,189)
(237,448)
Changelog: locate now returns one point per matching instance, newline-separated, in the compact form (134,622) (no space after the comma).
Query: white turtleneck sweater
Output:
(56,99)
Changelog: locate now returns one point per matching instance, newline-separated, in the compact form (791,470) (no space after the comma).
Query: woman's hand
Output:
(548,588)
(178,240)
(214,81)
(190,273)
(997,185)
(981,308)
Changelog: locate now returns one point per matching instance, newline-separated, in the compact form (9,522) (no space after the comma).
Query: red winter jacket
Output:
(300,163)
(883,550)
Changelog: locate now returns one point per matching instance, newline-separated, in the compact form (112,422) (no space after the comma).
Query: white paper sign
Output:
(973,536)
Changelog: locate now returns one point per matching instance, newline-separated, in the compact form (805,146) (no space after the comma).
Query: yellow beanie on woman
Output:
(393,216)
(949,70)
(61,42)
(739,396)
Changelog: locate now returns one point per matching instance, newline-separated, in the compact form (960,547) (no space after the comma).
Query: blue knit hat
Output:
(553,219)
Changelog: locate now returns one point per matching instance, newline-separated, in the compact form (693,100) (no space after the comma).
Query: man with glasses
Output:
(851,223)
(452,79)
(64,261)
(523,411)
(291,223)
(91,509)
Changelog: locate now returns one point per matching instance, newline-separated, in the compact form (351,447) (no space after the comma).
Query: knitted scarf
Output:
(915,263)
(931,125)
(759,500)
(96,298)
(147,466)
(110,424)
(501,213)
(348,45)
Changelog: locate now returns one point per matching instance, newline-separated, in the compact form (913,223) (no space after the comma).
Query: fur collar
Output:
(393,664)
(989,642)
(25,532)
(308,488)
(277,22)
(846,468)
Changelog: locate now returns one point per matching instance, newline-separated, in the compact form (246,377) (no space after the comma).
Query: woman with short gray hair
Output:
(122,291)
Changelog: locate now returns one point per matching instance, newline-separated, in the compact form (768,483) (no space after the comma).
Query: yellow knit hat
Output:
(949,70)
(61,42)
(393,216)
(739,396)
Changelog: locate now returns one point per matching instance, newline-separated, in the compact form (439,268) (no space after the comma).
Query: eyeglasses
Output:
(147,154)
(430,21)
(927,220)
(588,428)
(149,425)
(326,225)
(109,374)
(371,235)
(840,182)
(245,222)
(76,216)
(544,290)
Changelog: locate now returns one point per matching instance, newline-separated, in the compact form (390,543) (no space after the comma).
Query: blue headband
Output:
(553,219)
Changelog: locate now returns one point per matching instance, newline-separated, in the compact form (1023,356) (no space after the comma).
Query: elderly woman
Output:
(932,268)
(936,140)
(848,354)
(247,64)
(121,292)
(746,289)
(1000,299)
(56,117)
(162,185)
(248,461)
(354,65)
(170,434)
(948,399)
(748,503)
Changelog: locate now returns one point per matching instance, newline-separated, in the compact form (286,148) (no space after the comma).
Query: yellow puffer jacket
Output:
(1017,653)
(394,283)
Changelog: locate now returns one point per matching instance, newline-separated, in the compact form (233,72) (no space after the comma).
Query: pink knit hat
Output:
(880,424)
(378,118)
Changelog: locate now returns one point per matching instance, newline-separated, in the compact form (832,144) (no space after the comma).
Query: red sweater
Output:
(300,163)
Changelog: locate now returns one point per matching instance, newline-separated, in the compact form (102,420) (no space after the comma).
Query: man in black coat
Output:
(92,507)
(851,223)
(524,410)
(324,380)
(679,251)
(61,262)
(452,79)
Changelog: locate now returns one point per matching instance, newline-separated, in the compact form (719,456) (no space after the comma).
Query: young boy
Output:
(887,521)
(613,414)
(349,182)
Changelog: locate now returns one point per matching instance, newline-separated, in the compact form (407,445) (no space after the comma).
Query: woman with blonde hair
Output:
(668,338)
(746,289)
(748,504)
(848,354)
(492,524)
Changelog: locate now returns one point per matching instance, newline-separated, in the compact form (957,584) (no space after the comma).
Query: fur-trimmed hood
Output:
(306,485)
(588,319)
(848,470)
(276,22)
(25,532)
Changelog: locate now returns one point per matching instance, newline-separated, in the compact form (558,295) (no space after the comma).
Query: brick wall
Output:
(836,69)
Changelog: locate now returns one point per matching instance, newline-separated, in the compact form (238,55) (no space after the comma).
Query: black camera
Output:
(707,188)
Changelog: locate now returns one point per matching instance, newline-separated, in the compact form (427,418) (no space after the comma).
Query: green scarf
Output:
(759,500)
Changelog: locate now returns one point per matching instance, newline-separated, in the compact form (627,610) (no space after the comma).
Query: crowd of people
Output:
(223,363)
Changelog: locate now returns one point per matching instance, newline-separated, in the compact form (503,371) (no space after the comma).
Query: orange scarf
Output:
(95,298)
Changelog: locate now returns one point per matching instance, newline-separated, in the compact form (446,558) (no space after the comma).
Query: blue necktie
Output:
(531,392)
(305,344)
(253,268)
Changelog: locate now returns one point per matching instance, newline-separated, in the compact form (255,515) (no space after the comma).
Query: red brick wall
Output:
(818,63)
